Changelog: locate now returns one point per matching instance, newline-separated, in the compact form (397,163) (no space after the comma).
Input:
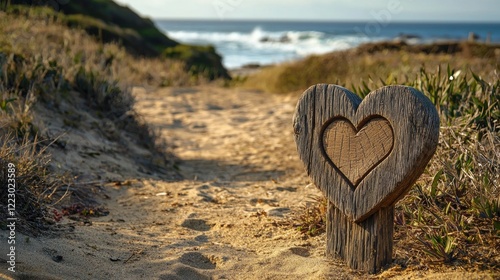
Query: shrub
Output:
(200,60)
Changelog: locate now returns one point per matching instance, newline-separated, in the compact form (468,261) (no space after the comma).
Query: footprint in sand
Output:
(299,251)
(196,224)
(197,260)
(201,238)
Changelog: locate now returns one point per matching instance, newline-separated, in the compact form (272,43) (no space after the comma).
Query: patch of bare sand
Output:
(242,177)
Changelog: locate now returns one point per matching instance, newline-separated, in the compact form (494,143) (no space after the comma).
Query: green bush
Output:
(199,60)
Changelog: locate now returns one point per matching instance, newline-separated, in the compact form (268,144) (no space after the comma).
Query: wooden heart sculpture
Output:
(365,154)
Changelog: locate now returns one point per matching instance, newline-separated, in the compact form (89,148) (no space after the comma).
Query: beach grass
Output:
(452,214)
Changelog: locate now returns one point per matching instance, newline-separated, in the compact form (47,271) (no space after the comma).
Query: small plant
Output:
(85,211)
(441,247)
(487,207)
(311,219)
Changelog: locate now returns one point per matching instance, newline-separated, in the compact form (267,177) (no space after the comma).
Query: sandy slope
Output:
(242,175)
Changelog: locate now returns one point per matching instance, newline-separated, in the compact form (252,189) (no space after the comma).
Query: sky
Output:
(332,10)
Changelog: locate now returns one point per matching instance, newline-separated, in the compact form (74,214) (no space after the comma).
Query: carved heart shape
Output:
(356,151)
(365,154)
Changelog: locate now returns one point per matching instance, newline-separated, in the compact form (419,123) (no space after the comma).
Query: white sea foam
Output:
(264,47)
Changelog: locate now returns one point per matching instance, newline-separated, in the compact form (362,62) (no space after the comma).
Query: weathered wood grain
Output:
(415,126)
(365,246)
(356,151)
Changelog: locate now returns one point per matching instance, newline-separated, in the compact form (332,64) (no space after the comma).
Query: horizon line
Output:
(325,20)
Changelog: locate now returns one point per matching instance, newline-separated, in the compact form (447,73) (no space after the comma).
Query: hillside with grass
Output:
(58,85)
(113,23)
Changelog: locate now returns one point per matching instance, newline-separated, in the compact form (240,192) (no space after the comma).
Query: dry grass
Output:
(310,220)
(452,215)
(34,185)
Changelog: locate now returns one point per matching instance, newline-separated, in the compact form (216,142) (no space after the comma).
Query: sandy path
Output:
(242,175)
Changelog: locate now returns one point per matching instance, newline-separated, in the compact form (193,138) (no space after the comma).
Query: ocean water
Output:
(268,42)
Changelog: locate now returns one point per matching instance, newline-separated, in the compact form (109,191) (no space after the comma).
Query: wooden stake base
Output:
(365,246)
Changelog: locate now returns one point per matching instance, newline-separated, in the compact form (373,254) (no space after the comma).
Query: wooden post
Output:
(364,155)
(365,246)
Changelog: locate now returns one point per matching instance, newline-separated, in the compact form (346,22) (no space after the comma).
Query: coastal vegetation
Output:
(375,64)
